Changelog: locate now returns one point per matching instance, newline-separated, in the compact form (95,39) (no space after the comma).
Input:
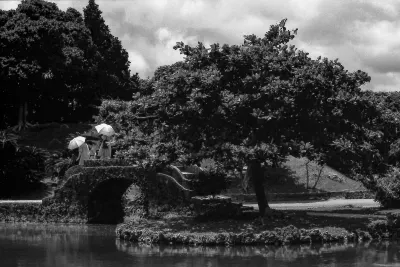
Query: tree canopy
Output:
(55,60)
(112,78)
(253,104)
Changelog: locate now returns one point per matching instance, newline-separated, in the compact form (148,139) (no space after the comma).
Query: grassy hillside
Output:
(293,178)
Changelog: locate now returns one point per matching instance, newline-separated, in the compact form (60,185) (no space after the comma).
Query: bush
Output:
(378,228)
(22,168)
(387,189)
(57,164)
(211,180)
(118,113)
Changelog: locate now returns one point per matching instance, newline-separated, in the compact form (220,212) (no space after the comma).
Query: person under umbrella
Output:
(80,142)
(105,147)
(94,146)
(105,131)
(76,142)
(93,142)
(84,153)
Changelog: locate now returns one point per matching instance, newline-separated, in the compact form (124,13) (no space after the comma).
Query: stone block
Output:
(218,207)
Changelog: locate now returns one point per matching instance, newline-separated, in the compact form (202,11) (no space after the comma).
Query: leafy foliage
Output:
(211,180)
(387,188)
(43,48)
(112,77)
(21,167)
(254,104)
(56,165)
(59,61)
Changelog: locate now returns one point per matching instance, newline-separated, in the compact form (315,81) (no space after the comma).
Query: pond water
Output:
(95,245)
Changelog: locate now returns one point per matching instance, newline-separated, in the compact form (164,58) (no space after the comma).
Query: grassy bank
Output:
(283,227)
(35,213)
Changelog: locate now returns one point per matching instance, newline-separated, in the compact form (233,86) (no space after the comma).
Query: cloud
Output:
(7,5)
(138,61)
(362,34)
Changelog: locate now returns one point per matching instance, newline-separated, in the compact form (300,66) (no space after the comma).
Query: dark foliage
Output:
(58,61)
(211,180)
(21,168)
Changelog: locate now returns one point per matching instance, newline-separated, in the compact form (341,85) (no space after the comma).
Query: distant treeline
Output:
(57,66)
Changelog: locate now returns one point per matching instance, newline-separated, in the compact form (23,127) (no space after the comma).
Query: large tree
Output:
(45,59)
(112,78)
(254,104)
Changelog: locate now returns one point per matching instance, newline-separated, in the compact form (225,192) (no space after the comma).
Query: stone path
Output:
(20,201)
(306,205)
(331,203)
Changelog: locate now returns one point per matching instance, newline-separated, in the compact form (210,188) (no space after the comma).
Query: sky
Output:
(362,34)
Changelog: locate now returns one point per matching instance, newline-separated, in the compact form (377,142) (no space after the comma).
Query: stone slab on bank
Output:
(21,201)
(329,204)
(305,196)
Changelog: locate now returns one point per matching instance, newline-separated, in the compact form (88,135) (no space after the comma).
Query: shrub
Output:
(387,188)
(115,112)
(378,228)
(22,168)
(211,180)
(56,165)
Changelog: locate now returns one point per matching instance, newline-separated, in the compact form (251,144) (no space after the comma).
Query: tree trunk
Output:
(256,174)
(307,173)
(22,114)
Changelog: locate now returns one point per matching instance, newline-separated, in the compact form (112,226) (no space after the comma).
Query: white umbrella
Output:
(76,142)
(105,129)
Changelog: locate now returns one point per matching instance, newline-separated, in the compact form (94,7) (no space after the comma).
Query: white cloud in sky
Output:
(363,34)
(138,61)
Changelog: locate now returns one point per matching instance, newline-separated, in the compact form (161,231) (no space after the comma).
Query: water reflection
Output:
(287,253)
(365,254)
(55,245)
(84,245)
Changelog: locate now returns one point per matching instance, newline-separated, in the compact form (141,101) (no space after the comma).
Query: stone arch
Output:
(94,195)
(105,203)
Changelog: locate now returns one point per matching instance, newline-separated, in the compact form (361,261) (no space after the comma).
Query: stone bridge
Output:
(104,191)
